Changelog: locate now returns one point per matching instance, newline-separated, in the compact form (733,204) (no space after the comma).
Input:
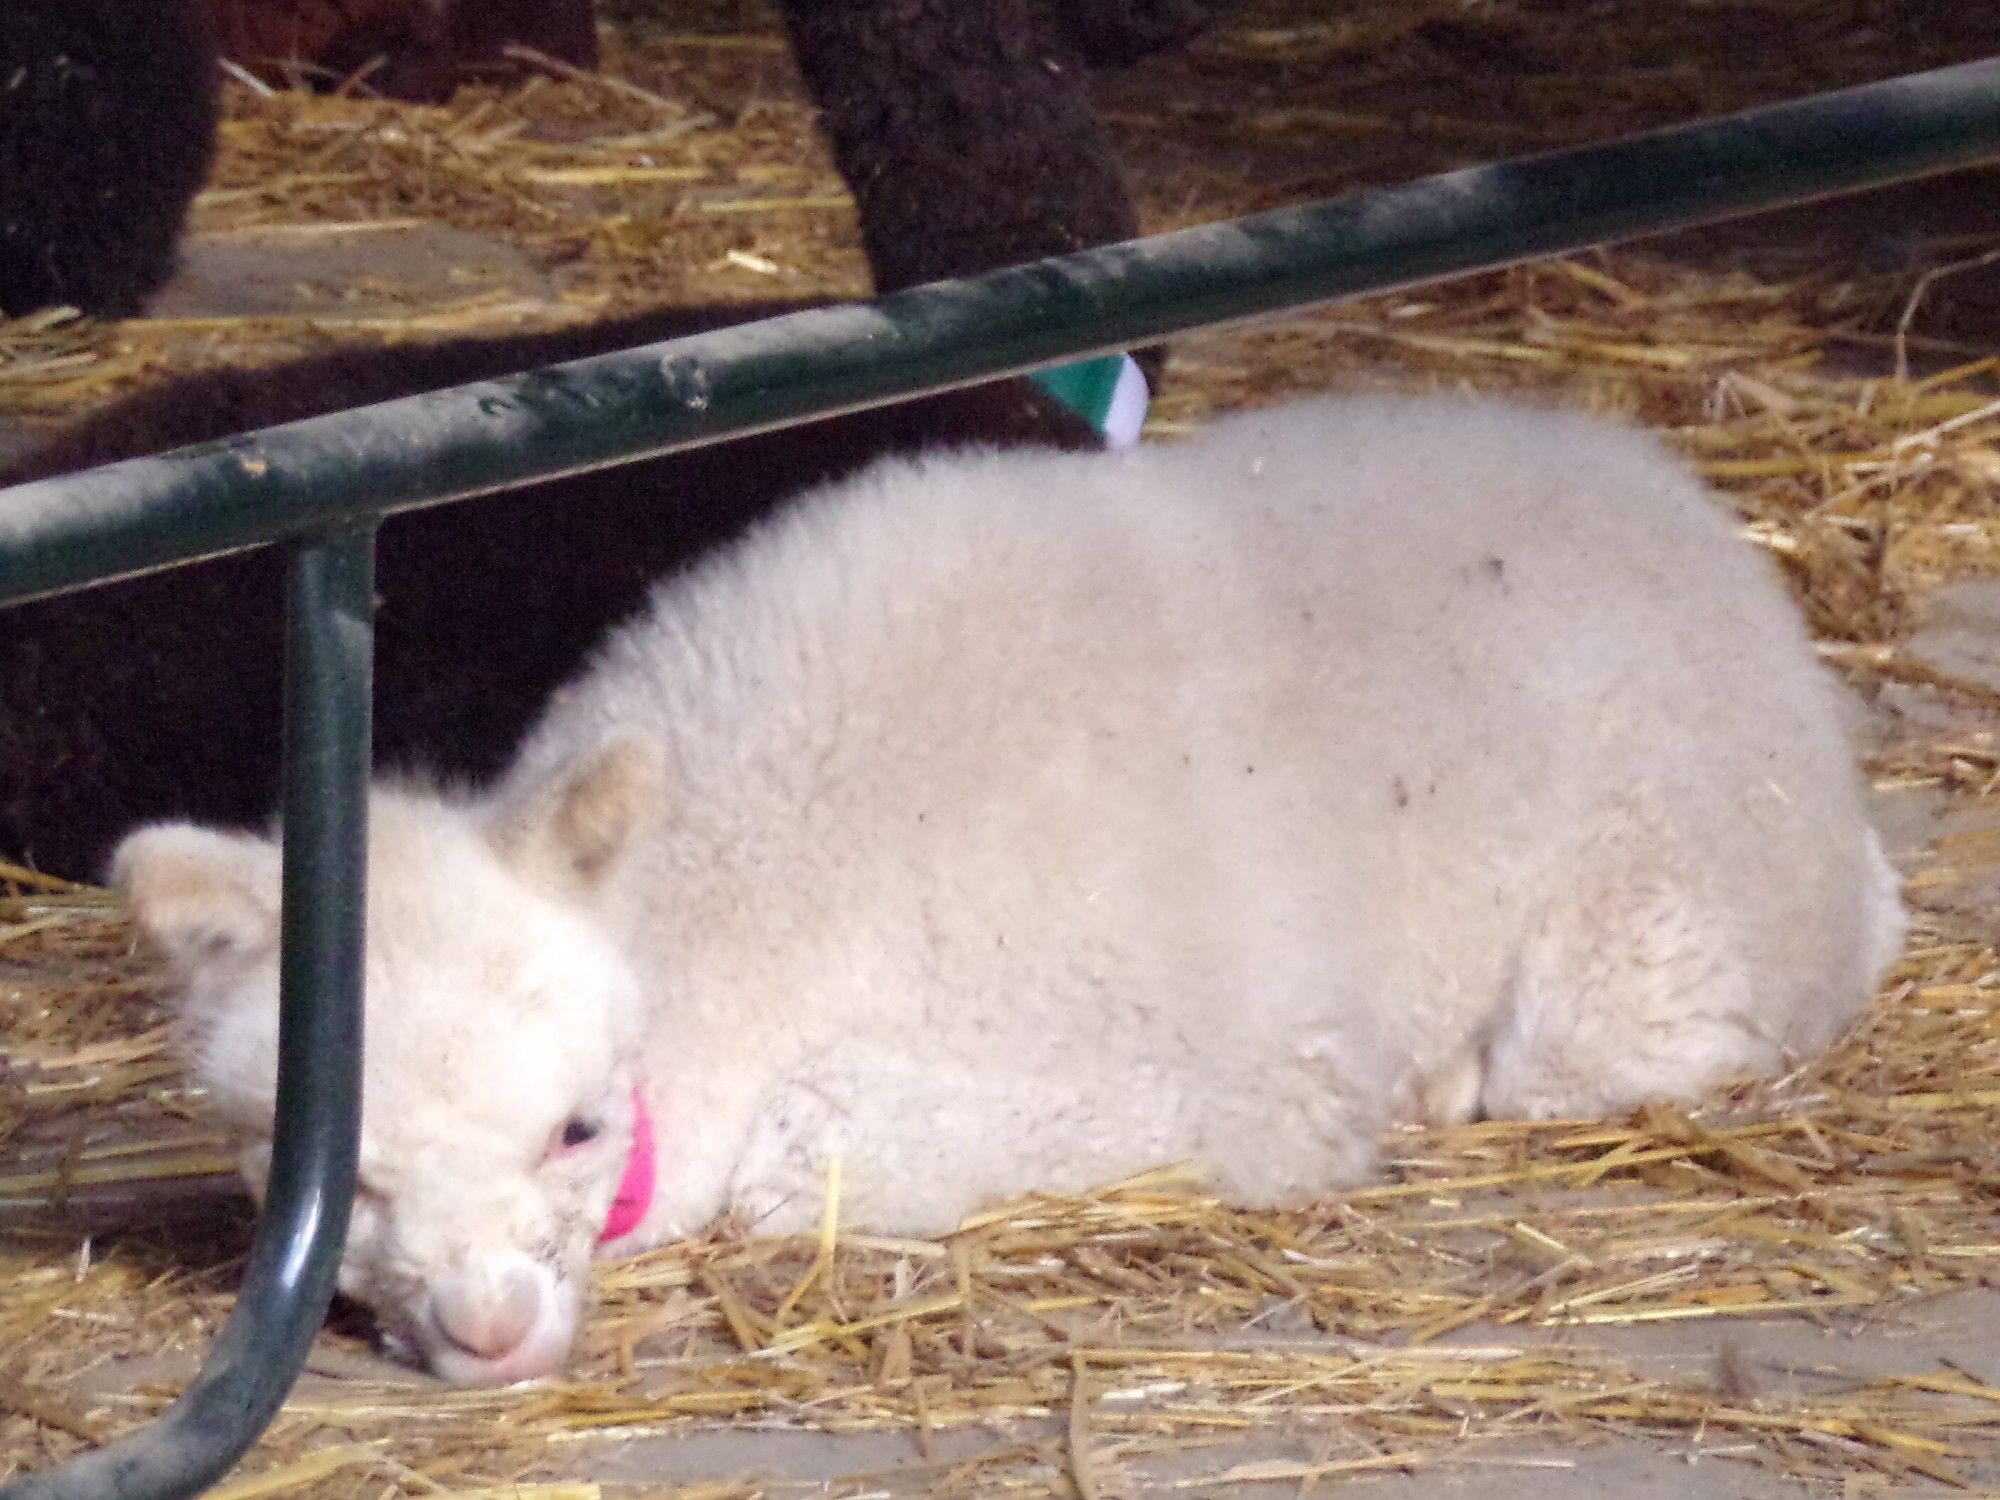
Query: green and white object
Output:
(1109,393)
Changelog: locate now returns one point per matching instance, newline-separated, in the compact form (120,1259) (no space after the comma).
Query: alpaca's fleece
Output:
(1118,33)
(964,129)
(1002,821)
(107,125)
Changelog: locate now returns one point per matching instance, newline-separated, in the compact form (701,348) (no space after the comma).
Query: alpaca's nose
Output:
(490,1307)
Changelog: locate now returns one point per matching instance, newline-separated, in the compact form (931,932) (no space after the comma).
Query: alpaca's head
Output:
(502,1031)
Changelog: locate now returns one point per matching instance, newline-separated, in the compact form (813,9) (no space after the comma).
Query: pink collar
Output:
(635,1188)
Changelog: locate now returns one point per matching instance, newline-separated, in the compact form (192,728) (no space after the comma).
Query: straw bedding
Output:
(1830,375)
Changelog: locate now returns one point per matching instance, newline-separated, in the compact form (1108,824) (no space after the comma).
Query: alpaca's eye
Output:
(572,1135)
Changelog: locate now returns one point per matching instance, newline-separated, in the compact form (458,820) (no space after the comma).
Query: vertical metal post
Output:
(329,666)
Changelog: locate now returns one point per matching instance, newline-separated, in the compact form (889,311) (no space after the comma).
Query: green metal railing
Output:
(319,486)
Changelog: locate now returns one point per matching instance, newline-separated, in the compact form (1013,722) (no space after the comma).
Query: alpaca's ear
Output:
(199,896)
(572,828)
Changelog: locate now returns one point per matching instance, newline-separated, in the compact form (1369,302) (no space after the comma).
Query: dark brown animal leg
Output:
(964,130)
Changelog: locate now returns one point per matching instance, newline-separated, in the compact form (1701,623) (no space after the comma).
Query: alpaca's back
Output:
(1586,689)
(1328,723)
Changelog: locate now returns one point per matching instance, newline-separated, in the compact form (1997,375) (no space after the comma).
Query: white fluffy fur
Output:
(996,822)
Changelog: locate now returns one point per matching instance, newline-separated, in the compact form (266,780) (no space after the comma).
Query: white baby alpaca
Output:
(1004,821)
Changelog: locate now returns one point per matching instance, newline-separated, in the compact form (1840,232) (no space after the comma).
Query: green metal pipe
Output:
(329,665)
(150,513)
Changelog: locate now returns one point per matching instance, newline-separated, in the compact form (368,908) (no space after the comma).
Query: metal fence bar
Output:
(152,512)
(329,664)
